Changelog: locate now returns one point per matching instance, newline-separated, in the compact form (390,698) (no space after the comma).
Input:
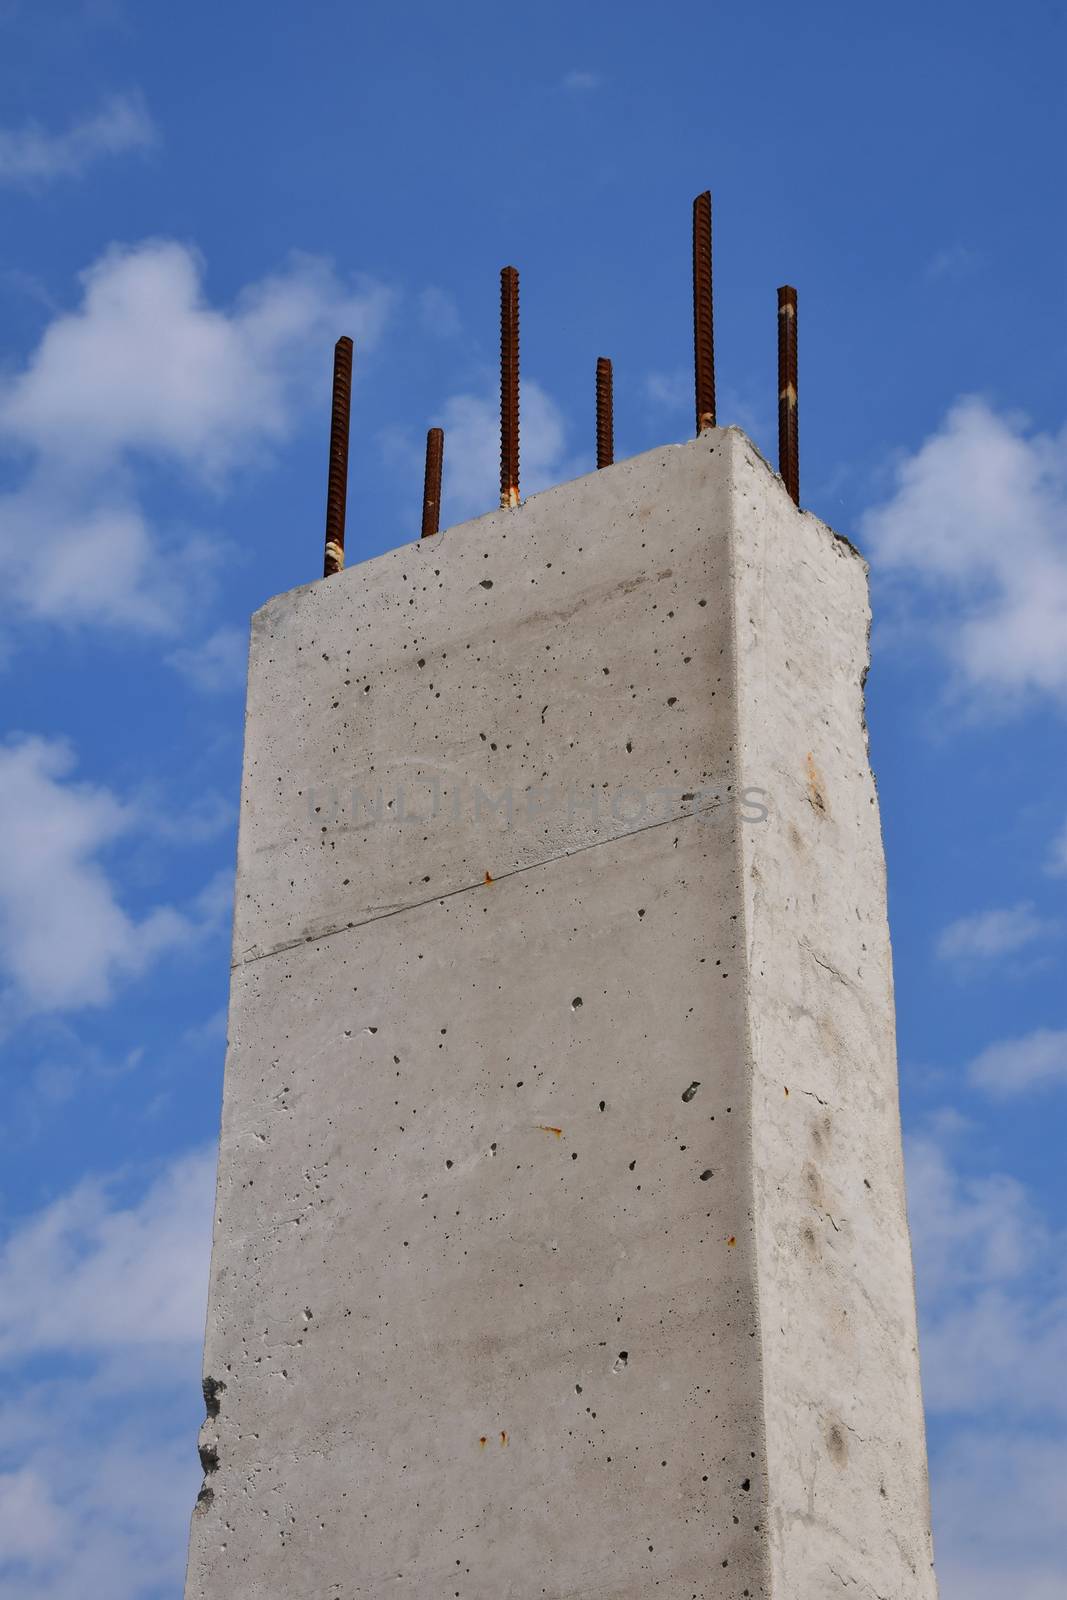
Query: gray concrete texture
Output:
(560,1245)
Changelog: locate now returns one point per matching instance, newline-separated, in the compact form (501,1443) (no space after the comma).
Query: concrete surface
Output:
(560,1245)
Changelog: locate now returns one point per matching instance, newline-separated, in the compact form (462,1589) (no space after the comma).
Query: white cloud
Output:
(146,365)
(74,551)
(64,936)
(472,450)
(89,1274)
(30,155)
(994,1321)
(993,1316)
(116,1493)
(1012,1066)
(581,81)
(106,1298)
(968,1233)
(978,519)
(146,370)
(988,934)
(995,1352)
(30,1522)
(218,664)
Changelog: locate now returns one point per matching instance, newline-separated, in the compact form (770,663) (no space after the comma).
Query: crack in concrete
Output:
(480,883)
(827,965)
(828,1104)
(855,1583)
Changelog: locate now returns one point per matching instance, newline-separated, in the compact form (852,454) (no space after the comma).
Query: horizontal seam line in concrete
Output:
(466,888)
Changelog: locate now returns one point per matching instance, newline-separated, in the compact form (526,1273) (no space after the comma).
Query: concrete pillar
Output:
(560,1245)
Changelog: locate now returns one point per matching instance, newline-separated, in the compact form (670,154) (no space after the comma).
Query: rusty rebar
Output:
(605,413)
(431,483)
(703,319)
(788,426)
(337,477)
(509,386)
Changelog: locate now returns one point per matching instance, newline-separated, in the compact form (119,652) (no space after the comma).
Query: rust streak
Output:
(816,793)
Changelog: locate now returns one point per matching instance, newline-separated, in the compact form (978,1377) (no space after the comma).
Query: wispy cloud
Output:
(977,522)
(670,391)
(31,155)
(1000,1522)
(1057,861)
(982,937)
(218,664)
(672,394)
(1036,1060)
(439,313)
(581,81)
(145,371)
(951,262)
(207,815)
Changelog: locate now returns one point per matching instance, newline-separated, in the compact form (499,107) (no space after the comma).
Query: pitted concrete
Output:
(560,1247)
(571,646)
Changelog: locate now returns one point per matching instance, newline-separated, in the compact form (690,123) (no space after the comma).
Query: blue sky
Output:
(196,201)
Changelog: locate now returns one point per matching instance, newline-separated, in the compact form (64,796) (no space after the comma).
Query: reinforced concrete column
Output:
(560,1247)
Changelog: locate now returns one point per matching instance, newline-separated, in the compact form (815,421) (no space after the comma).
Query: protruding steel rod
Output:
(337,479)
(788,428)
(605,414)
(431,483)
(509,387)
(703,322)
